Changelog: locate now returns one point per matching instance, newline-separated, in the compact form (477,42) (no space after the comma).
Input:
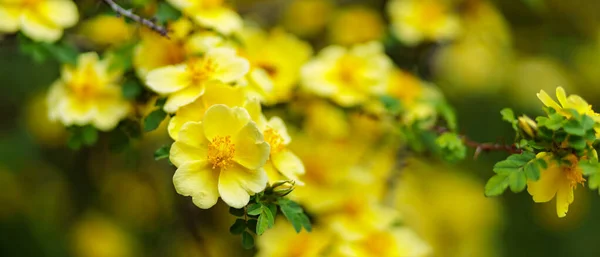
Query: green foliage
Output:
(451,146)
(294,214)
(166,13)
(391,104)
(509,116)
(41,51)
(121,58)
(162,153)
(247,240)
(514,173)
(82,136)
(238,227)
(153,120)
(132,88)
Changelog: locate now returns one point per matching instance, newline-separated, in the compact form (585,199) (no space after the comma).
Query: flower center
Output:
(85,83)
(274,139)
(220,152)
(347,69)
(200,70)
(574,175)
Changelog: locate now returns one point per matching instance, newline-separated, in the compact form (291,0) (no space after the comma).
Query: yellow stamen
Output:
(200,70)
(275,140)
(220,152)
(573,172)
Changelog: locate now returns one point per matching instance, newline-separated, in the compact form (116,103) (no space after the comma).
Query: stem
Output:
(148,23)
(483,147)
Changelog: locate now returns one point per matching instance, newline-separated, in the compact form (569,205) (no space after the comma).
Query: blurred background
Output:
(94,203)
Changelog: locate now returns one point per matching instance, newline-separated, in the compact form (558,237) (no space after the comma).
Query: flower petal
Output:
(278,125)
(564,197)
(547,100)
(182,98)
(236,182)
(192,133)
(198,180)
(562,97)
(219,93)
(182,153)
(222,20)
(168,79)
(251,151)
(220,120)
(10,19)
(61,12)
(230,66)
(288,164)
(545,188)
(191,112)
(39,30)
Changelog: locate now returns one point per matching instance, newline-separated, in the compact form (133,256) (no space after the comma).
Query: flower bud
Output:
(528,126)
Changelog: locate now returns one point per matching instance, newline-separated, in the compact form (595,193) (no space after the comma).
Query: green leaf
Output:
(447,112)
(160,102)
(238,227)
(166,12)
(265,221)
(577,142)
(294,214)
(587,122)
(573,127)
(554,121)
(154,119)
(131,89)
(254,209)
(517,181)
(118,141)
(89,135)
(74,141)
(236,212)
(247,240)
(252,224)
(163,153)
(496,185)
(589,167)
(508,115)
(532,170)
(391,104)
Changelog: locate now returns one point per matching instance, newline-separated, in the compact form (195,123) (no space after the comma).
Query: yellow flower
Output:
(216,93)
(386,243)
(106,30)
(348,76)
(414,21)
(282,160)
(201,42)
(306,18)
(354,25)
(41,20)
(184,83)
(276,58)
(97,236)
(222,155)
(573,102)
(558,179)
(155,51)
(88,94)
(211,14)
(283,241)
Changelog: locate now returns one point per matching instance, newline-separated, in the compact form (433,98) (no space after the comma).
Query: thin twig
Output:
(483,147)
(146,22)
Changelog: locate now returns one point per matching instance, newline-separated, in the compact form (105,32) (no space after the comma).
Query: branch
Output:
(483,147)
(148,23)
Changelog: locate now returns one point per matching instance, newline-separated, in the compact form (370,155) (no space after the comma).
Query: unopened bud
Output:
(528,126)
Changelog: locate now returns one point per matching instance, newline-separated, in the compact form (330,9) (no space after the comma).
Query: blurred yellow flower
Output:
(558,179)
(282,160)
(400,241)
(97,236)
(201,42)
(41,20)
(184,83)
(213,14)
(354,25)
(414,21)
(215,93)
(283,241)
(276,58)
(107,30)
(348,76)
(88,94)
(307,18)
(222,155)
(155,51)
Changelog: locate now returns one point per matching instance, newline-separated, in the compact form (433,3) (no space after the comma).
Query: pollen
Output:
(200,70)
(220,152)
(275,140)
(573,172)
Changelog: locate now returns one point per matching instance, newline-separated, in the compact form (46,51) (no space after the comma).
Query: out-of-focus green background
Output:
(59,202)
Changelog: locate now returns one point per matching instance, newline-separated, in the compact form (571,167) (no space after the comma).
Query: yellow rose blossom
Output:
(106,30)
(201,42)
(414,21)
(557,180)
(354,25)
(348,76)
(212,14)
(282,160)
(574,102)
(154,51)
(276,58)
(216,93)
(306,18)
(283,241)
(387,243)
(88,94)
(186,82)
(41,20)
(222,155)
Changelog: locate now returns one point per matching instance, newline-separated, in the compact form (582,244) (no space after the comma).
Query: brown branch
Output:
(146,22)
(483,147)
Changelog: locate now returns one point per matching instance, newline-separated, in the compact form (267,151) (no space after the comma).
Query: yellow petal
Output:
(255,111)
(198,180)
(39,30)
(182,4)
(182,153)
(562,97)
(192,133)
(222,20)
(191,112)
(251,151)
(168,79)
(220,120)
(564,197)
(60,12)
(579,104)
(236,182)
(229,66)
(278,125)
(110,111)
(220,93)
(288,164)
(183,97)
(545,188)
(547,100)
(10,19)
